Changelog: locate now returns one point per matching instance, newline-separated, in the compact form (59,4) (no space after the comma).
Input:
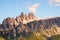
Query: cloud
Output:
(57,4)
(33,8)
(57,1)
(54,2)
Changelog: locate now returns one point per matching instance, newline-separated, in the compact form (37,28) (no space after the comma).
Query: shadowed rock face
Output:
(0,26)
(47,27)
(13,26)
(45,23)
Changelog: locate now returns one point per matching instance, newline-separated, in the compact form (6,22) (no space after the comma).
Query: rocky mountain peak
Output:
(30,23)
(30,16)
(23,18)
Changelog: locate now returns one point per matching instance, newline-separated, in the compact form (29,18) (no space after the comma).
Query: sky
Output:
(40,8)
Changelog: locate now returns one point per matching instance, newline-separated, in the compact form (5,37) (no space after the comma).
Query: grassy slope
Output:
(55,37)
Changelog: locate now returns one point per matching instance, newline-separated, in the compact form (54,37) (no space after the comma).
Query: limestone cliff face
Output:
(27,23)
(47,27)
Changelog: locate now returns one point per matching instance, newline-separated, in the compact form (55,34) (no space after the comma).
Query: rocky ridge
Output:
(26,23)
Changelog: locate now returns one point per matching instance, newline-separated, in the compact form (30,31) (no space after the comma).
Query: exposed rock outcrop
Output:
(26,23)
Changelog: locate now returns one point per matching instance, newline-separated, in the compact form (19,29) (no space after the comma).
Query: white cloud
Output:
(33,8)
(57,1)
(54,2)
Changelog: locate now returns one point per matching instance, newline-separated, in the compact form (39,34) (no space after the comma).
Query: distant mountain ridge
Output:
(29,23)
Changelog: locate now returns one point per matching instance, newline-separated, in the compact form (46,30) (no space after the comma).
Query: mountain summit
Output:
(25,18)
(27,23)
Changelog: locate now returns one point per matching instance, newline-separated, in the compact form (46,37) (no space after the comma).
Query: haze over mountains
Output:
(26,23)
